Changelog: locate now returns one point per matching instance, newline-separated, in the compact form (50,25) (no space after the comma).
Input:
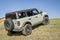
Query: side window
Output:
(29,13)
(22,14)
(35,12)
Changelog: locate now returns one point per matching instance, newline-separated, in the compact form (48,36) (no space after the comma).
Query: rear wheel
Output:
(27,30)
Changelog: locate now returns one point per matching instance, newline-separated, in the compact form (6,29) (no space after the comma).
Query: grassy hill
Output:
(47,32)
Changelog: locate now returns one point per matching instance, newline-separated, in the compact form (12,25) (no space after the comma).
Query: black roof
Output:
(21,11)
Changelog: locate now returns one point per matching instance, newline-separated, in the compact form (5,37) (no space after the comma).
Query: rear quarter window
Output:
(12,16)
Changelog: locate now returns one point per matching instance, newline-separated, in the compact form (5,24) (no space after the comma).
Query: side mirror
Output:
(41,12)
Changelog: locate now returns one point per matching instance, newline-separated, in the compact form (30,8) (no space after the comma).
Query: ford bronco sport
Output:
(23,20)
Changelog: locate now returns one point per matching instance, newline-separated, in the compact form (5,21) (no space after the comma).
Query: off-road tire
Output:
(45,21)
(27,30)
(8,24)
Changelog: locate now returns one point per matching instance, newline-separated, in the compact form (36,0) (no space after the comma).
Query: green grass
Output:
(47,32)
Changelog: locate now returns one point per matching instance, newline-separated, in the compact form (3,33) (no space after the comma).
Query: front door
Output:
(36,16)
(31,17)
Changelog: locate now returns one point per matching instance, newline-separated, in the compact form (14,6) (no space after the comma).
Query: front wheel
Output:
(27,30)
(45,21)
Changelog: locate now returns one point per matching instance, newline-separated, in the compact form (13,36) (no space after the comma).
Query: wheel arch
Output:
(46,16)
(27,23)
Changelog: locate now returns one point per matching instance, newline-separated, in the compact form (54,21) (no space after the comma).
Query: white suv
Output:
(24,20)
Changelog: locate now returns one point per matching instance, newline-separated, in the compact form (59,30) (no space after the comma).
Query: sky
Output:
(51,6)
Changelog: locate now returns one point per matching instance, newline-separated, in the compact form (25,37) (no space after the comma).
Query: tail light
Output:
(18,23)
